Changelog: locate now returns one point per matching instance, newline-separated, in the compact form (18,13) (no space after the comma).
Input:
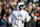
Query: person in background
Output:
(3,21)
(29,9)
(6,12)
(35,1)
(1,3)
(4,2)
(3,10)
(38,17)
(31,23)
(12,3)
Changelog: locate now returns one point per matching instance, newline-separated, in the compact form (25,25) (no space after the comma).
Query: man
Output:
(17,18)
(38,18)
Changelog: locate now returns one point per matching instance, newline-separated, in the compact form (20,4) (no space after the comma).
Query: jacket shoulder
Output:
(24,11)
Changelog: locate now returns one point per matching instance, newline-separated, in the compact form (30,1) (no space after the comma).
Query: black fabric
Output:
(30,24)
(2,21)
(7,14)
(26,24)
(38,23)
(3,12)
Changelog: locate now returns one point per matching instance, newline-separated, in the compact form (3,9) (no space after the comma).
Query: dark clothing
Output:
(30,24)
(26,24)
(3,25)
(3,12)
(6,13)
(38,23)
(2,22)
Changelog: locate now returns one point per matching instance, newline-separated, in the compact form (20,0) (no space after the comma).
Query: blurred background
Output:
(7,6)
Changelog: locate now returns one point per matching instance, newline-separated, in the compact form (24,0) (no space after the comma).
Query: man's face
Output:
(21,7)
(30,3)
(6,10)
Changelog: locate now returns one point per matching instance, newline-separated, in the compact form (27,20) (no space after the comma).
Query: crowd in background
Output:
(7,6)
